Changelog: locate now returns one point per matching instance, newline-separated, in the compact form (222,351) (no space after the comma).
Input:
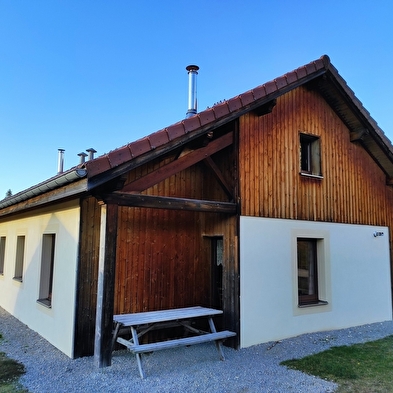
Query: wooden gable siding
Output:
(163,256)
(353,189)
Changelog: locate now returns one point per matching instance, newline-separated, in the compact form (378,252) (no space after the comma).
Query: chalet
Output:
(275,206)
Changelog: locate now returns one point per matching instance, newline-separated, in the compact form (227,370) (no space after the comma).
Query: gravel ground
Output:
(186,369)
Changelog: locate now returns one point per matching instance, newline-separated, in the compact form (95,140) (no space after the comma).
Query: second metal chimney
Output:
(192,89)
(60,161)
(91,152)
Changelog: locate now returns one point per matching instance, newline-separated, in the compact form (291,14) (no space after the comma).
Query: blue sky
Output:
(77,74)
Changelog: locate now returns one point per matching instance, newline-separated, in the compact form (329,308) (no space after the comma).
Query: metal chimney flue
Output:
(192,90)
(91,152)
(82,156)
(60,161)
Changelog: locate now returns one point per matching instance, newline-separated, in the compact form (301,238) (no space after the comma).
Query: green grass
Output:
(360,368)
(10,371)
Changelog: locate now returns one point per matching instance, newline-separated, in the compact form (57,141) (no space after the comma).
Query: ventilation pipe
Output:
(192,96)
(91,152)
(82,156)
(60,161)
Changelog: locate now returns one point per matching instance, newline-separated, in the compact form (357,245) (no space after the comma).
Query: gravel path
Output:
(186,369)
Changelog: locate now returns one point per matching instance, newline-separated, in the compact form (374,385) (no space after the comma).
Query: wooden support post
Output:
(105,286)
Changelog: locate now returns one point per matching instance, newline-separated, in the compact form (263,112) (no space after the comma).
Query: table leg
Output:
(138,355)
(218,342)
(114,337)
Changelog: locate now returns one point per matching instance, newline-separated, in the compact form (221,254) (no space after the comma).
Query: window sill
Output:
(19,279)
(319,303)
(45,302)
(305,174)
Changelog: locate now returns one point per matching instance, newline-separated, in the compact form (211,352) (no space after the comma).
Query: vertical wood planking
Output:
(353,188)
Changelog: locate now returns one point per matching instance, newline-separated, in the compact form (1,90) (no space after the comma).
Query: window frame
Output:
(310,155)
(322,237)
(48,247)
(313,282)
(3,244)
(19,257)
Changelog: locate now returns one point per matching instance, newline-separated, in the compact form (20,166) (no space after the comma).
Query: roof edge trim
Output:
(49,185)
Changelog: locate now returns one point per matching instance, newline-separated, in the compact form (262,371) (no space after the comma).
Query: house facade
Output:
(274,206)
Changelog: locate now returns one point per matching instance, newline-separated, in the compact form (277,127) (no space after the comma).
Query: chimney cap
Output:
(192,67)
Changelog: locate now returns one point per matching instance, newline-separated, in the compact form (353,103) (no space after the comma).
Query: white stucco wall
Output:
(354,278)
(55,324)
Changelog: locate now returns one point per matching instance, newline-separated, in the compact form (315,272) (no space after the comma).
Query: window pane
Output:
(2,254)
(307,270)
(305,160)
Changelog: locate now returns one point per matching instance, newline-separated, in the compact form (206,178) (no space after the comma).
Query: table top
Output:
(142,318)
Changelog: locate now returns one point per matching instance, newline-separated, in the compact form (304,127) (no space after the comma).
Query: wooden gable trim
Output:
(158,202)
(180,164)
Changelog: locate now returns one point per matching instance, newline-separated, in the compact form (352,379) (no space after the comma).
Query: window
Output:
(217,250)
(311,278)
(2,254)
(47,263)
(307,271)
(19,258)
(310,155)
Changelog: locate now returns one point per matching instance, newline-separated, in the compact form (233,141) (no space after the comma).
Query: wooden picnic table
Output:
(142,322)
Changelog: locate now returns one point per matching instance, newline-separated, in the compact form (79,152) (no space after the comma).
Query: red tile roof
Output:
(204,118)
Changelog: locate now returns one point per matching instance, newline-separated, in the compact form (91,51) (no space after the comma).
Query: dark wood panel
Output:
(87,276)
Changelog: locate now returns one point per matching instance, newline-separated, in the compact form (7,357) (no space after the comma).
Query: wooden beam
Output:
(178,165)
(219,176)
(358,135)
(156,202)
(265,108)
(105,286)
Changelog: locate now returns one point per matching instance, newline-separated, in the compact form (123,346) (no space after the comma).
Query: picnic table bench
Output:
(142,322)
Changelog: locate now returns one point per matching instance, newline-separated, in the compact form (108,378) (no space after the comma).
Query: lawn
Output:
(360,368)
(10,371)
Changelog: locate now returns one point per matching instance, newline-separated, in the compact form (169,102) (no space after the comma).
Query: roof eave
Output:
(65,186)
(363,128)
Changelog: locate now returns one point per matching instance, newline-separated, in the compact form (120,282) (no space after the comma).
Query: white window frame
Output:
(323,271)
(48,247)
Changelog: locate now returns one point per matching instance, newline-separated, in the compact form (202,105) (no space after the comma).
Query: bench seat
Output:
(151,347)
